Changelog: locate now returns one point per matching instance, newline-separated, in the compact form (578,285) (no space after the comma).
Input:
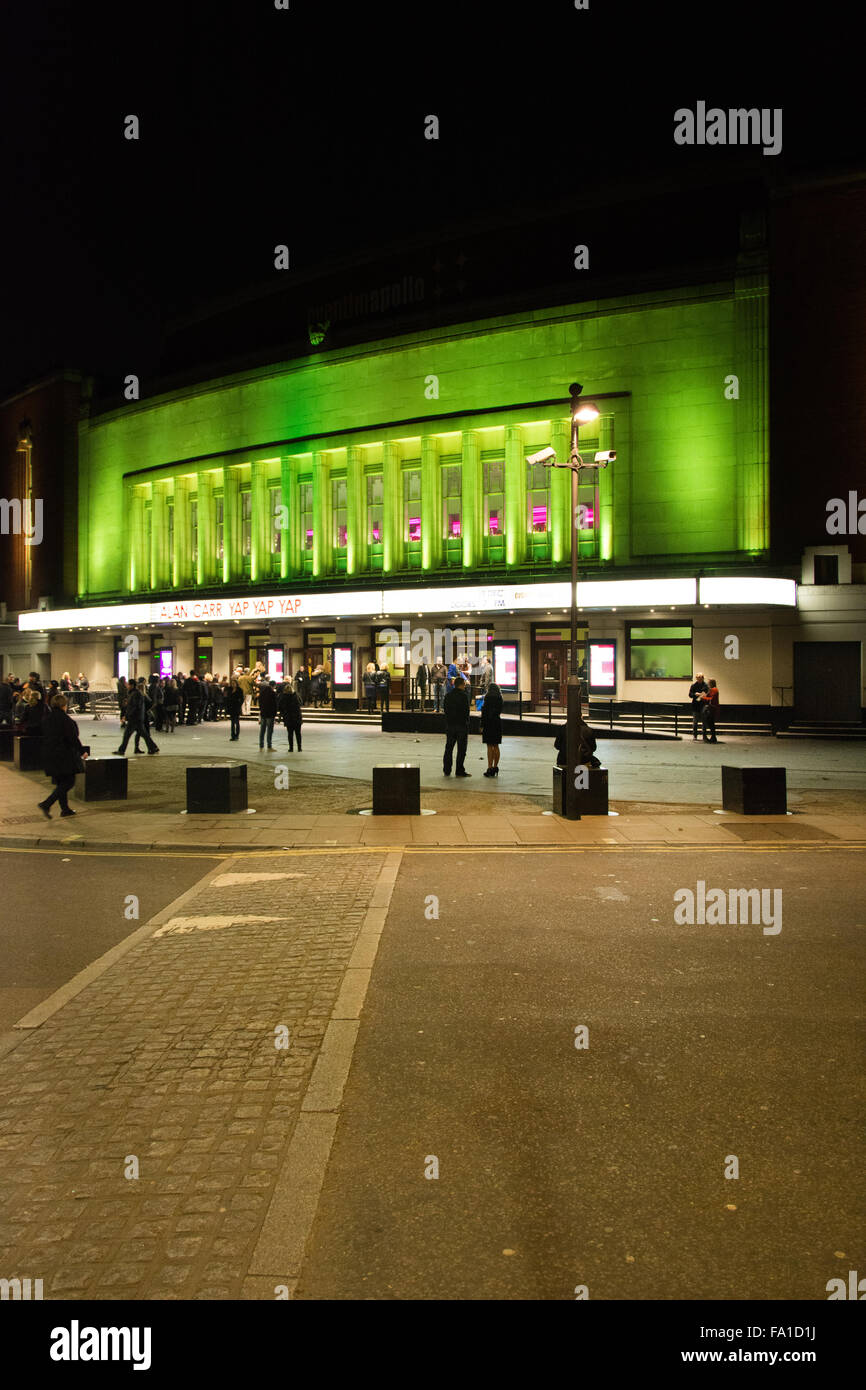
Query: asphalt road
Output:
(61,910)
(602,1167)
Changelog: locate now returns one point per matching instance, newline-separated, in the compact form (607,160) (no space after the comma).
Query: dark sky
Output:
(260,126)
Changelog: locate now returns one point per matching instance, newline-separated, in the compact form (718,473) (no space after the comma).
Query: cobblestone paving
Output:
(170,1056)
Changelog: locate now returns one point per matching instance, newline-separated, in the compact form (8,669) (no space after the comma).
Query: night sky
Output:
(260,127)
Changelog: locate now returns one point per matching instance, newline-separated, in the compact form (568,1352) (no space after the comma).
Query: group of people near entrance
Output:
(25,704)
(440,678)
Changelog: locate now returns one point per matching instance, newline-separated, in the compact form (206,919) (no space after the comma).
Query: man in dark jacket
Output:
(696,691)
(289,707)
(192,692)
(422,677)
(61,755)
(383,685)
(456,727)
(137,707)
(267,712)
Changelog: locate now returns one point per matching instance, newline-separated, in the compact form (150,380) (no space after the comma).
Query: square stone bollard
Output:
(7,744)
(397,790)
(754,791)
(590,800)
(216,789)
(103,779)
(28,753)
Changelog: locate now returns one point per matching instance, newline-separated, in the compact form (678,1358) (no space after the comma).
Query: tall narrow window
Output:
(193,526)
(494,498)
(170,530)
(148,541)
(538,498)
(246,524)
(452,502)
(275,497)
(339,513)
(219,527)
(412,505)
(306,511)
(375,507)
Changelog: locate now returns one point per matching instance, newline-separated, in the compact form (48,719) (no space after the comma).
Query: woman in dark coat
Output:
(170,703)
(62,755)
(234,705)
(32,712)
(491,728)
(289,709)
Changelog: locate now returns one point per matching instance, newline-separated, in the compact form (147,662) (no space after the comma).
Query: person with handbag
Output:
(62,756)
(491,727)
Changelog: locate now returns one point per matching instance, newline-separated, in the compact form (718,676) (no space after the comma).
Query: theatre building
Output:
(279,512)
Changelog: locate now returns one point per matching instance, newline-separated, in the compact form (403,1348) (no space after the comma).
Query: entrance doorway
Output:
(551,672)
(827,681)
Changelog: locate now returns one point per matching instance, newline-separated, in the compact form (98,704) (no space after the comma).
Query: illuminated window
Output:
(246,524)
(170,529)
(538,497)
(452,502)
(193,526)
(412,504)
(338,511)
(375,498)
(494,498)
(306,515)
(219,526)
(659,651)
(275,497)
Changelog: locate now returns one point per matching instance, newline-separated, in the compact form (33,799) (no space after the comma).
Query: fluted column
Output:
(515,496)
(431,505)
(206,560)
(323,549)
(260,511)
(356,501)
(159,536)
(233,565)
(290,551)
(182,576)
(561,520)
(392,520)
(472,501)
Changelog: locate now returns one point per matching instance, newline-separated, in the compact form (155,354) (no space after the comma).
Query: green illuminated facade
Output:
(407,457)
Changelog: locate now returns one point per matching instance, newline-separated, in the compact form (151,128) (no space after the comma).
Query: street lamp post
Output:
(582,412)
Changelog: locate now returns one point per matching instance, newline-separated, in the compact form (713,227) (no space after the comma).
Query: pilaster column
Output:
(431,505)
(561,521)
(206,560)
(182,576)
(139,560)
(515,496)
(392,519)
(290,554)
(260,550)
(159,536)
(356,541)
(233,565)
(323,548)
(473,509)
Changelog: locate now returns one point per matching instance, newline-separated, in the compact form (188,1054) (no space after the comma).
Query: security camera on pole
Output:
(582,413)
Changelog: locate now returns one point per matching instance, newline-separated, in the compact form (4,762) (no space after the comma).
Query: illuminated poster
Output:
(344,662)
(165,663)
(275,663)
(505,664)
(123,664)
(602,667)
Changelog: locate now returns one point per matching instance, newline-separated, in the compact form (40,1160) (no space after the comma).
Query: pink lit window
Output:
(454,526)
(539,518)
(376,531)
(342,533)
(493,524)
(587,519)
(414,528)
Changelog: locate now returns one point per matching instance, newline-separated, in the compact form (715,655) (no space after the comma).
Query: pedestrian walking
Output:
(370,686)
(697,690)
(289,709)
(456,728)
(62,756)
(122,696)
(491,728)
(137,720)
(438,683)
(267,713)
(234,705)
(711,710)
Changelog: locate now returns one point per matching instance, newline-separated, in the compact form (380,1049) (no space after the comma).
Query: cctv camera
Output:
(543,456)
(605,457)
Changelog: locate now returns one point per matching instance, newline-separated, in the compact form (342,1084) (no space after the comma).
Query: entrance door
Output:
(551,671)
(827,681)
